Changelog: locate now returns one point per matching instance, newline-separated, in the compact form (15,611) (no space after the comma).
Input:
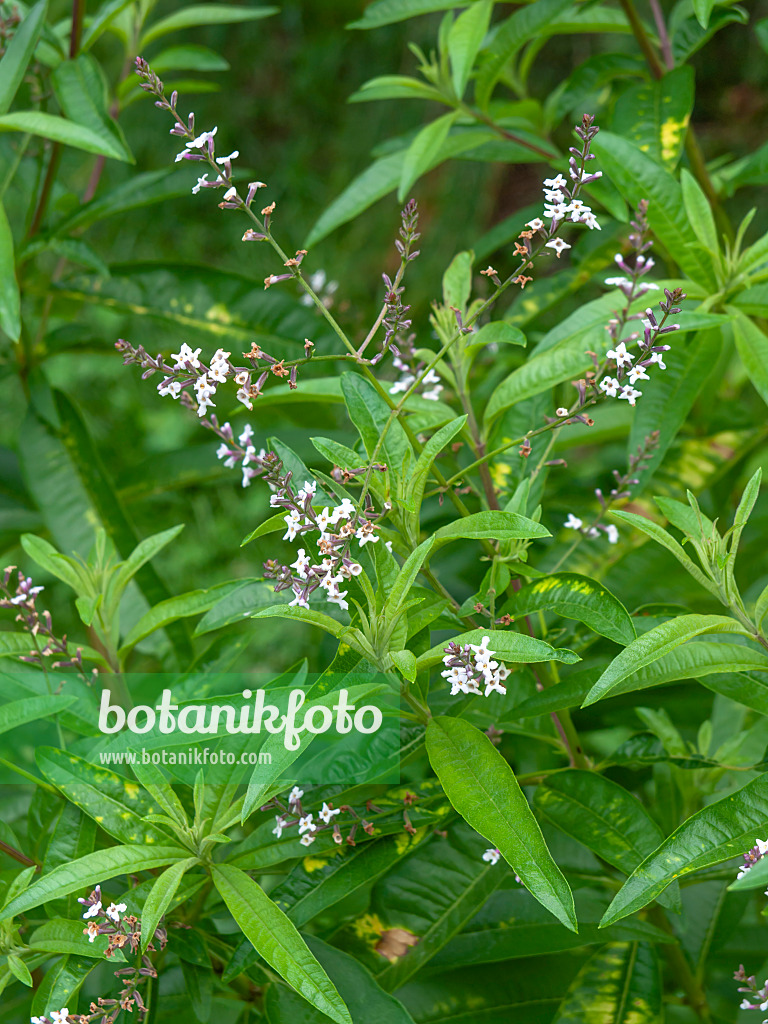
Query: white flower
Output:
(298,601)
(762,845)
(92,911)
(307,840)
(579,209)
(231,193)
(295,795)
(308,490)
(246,435)
(305,824)
(169,387)
(646,286)
(493,682)
(223,159)
(201,183)
(327,813)
(245,398)
(185,356)
(620,355)
(591,221)
(558,245)
(556,211)
(433,395)
(536,224)
(324,520)
(366,536)
(573,522)
(630,394)
(492,856)
(337,597)
(610,385)
(114,910)
(553,195)
(658,358)
(558,182)
(204,396)
(457,677)
(181,155)
(617,282)
(201,140)
(612,533)
(637,373)
(302,563)
(60,1016)
(279,826)
(745,1005)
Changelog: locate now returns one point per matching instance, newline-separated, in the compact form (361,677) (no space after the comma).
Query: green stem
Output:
(695,996)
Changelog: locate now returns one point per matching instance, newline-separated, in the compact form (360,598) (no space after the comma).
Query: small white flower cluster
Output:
(307,826)
(574,523)
(470,666)
(94,909)
(331,568)
(407,379)
(560,206)
(751,857)
(318,282)
(243,453)
(635,365)
(54,1017)
(187,360)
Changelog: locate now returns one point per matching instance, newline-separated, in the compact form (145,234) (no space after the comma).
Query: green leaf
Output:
(491,526)
(539,373)
(66,936)
(62,982)
(508,645)
(10,302)
(341,631)
(654,115)
(387,12)
(577,597)
(513,926)
(660,535)
(17,56)
(364,998)
(116,804)
(414,493)
(601,815)
(370,414)
(203,14)
(698,211)
(620,984)
(719,832)
(637,177)
(406,578)
(160,897)
(655,644)
(73,836)
(483,789)
(185,605)
(752,346)
(464,41)
(81,92)
(272,525)
(144,551)
(59,129)
(423,151)
(669,396)
(276,939)
(390,87)
(703,9)
(19,712)
(19,969)
(497,332)
(189,58)
(509,39)
(405,661)
(101,21)
(94,867)
(457,281)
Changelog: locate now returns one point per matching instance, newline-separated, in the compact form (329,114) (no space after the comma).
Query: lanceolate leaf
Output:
(602,815)
(19,53)
(509,646)
(655,644)
(717,833)
(10,308)
(423,151)
(94,867)
(491,526)
(577,597)
(483,789)
(276,939)
(620,984)
(160,898)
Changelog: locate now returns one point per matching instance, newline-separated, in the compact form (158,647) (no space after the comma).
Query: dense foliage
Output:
(505,471)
